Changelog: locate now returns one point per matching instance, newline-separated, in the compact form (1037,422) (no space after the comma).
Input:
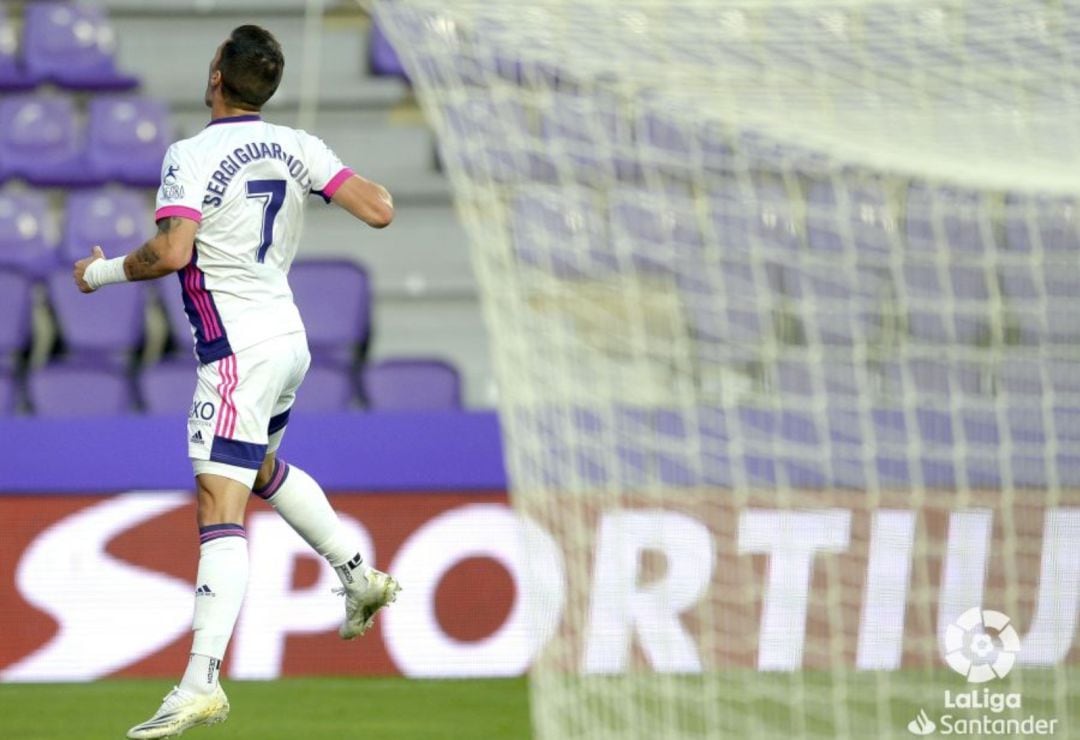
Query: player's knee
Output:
(220,501)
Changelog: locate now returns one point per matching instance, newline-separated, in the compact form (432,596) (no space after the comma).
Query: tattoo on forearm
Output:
(147,256)
(141,262)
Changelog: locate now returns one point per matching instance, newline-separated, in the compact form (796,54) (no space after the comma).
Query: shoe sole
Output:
(389,595)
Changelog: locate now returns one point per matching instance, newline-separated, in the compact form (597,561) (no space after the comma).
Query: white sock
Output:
(302,503)
(201,676)
(219,593)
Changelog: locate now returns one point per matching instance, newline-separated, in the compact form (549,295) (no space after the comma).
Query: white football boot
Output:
(181,711)
(363,598)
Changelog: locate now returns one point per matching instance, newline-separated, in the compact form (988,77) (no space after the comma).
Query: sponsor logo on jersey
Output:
(170,188)
(203,410)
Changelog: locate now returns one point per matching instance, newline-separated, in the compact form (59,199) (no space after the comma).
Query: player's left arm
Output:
(168,251)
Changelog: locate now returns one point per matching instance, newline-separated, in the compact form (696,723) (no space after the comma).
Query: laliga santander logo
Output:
(982,645)
(972,652)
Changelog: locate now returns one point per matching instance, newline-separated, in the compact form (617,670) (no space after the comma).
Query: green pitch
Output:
(751,706)
(860,705)
(295,709)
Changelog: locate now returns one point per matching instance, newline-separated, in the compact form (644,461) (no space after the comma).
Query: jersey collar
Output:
(236,119)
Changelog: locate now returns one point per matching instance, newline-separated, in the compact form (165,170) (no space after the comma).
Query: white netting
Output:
(785,309)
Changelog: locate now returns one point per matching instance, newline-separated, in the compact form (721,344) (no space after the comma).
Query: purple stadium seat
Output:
(759,218)
(922,378)
(168,387)
(948,219)
(561,232)
(15,309)
(841,304)
(13,77)
(1050,223)
(117,220)
(104,325)
(384,60)
(666,136)
(658,233)
(74,46)
(584,118)
(1063,321)
(477,116)
(128,137)
(334,299)
(1064,380)
(838,379)
(670,144)
(79,389)
(1022,375)
(726,307)
(8,394)
(40,142)
(863,211)
(958,300)
(411,384)
(1042,300)
(492,156)
(327,387)
(593,133)
(170,295)
(25,233)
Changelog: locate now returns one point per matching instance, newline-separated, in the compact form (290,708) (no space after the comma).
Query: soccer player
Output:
(230,212)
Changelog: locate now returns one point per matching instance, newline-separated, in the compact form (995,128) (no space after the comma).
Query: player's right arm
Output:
(366,200)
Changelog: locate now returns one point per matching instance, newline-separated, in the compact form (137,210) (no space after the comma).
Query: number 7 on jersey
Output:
(272,195)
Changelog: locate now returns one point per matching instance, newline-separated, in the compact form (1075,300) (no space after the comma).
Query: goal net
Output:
(784,300)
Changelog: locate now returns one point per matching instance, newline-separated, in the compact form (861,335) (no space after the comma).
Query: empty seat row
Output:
(74,388)
(334,297)
(1018,377)
(863,223)
(840,261)
(117,220)
(68,44)
(43,142)
(576,236)
(860,447)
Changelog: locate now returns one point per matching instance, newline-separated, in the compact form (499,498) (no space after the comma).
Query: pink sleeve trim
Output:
(336,182)
(178,211)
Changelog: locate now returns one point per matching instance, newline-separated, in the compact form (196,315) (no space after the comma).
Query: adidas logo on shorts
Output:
(204,590)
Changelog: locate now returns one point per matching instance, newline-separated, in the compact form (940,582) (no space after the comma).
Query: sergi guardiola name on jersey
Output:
(243,155)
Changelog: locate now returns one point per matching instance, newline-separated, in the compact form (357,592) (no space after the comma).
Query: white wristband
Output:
(103,272)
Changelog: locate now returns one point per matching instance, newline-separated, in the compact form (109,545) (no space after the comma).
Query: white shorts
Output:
(242,405)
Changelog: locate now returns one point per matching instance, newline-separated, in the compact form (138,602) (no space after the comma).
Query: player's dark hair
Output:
(251,66)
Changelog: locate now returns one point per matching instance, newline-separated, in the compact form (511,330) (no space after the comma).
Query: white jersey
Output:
(245,182)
